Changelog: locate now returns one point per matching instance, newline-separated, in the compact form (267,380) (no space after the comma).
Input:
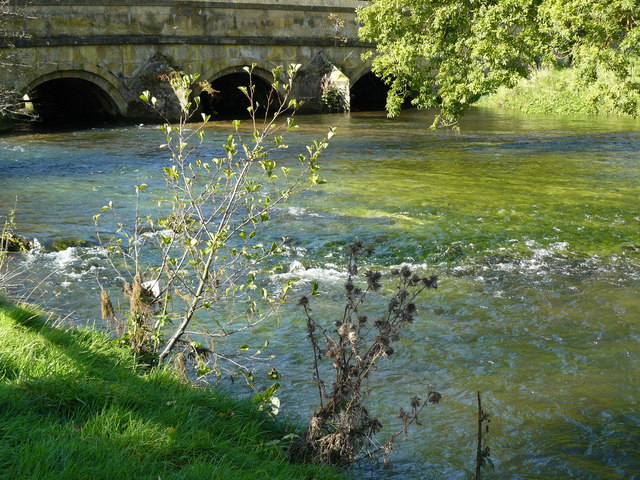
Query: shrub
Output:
(342,430)
(202,251)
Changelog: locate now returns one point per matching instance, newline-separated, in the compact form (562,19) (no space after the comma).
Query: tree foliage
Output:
(447,53)
(199,252)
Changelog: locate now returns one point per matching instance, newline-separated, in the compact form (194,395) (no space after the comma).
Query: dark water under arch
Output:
(72,102)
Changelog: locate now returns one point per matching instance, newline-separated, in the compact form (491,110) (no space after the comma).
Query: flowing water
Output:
(531,223)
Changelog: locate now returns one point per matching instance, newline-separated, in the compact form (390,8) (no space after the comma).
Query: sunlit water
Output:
(531,223)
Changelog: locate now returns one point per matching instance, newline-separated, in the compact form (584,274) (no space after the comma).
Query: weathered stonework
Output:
(122,45)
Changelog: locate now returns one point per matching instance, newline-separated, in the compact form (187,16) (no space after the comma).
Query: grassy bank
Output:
(75,406)
(556,91)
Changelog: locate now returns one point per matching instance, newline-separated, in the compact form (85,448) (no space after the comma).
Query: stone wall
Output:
(121,45)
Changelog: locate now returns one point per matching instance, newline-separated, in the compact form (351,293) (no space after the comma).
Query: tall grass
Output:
(555,91)
(74,405)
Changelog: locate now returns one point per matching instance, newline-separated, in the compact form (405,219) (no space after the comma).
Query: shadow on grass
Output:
(75,405)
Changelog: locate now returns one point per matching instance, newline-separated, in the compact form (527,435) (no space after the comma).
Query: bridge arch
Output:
(258,72)
(75,96)
(368,92)
(229,101)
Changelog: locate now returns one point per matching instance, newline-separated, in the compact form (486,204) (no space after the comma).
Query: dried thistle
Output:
(434,397)
(342,430)
(373,280)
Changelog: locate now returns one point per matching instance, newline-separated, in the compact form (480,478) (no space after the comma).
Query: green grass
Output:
(556,91)
(74,405)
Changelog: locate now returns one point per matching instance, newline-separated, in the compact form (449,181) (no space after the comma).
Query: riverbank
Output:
(74,405)
(554,91)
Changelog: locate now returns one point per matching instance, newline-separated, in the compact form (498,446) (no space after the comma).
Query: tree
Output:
(198,253)
(447,53)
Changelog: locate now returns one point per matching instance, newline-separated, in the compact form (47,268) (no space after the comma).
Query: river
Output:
(532,224)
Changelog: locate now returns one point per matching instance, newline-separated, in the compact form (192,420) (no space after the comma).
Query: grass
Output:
(74,405)
(554,91)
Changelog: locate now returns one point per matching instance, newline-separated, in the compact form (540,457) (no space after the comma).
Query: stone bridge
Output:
(91,59)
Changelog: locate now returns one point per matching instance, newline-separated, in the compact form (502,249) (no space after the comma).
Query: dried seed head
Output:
(405,271)
(376,426)
(139,308)
(330,352)
(393,303)
(180,364)
(121,328)
(373,280)
(330,348)
(403,415)
(303,302)
(430,282)
(106,306)
(348,286)
(433,397)
(407,317)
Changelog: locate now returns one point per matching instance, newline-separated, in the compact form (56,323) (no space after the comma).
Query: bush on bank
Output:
(75,405)
(555,91)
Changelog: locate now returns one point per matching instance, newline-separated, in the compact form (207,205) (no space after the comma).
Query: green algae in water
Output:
(532,223)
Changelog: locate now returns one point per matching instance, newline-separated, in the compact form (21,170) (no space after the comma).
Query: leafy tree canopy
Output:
(446,53)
